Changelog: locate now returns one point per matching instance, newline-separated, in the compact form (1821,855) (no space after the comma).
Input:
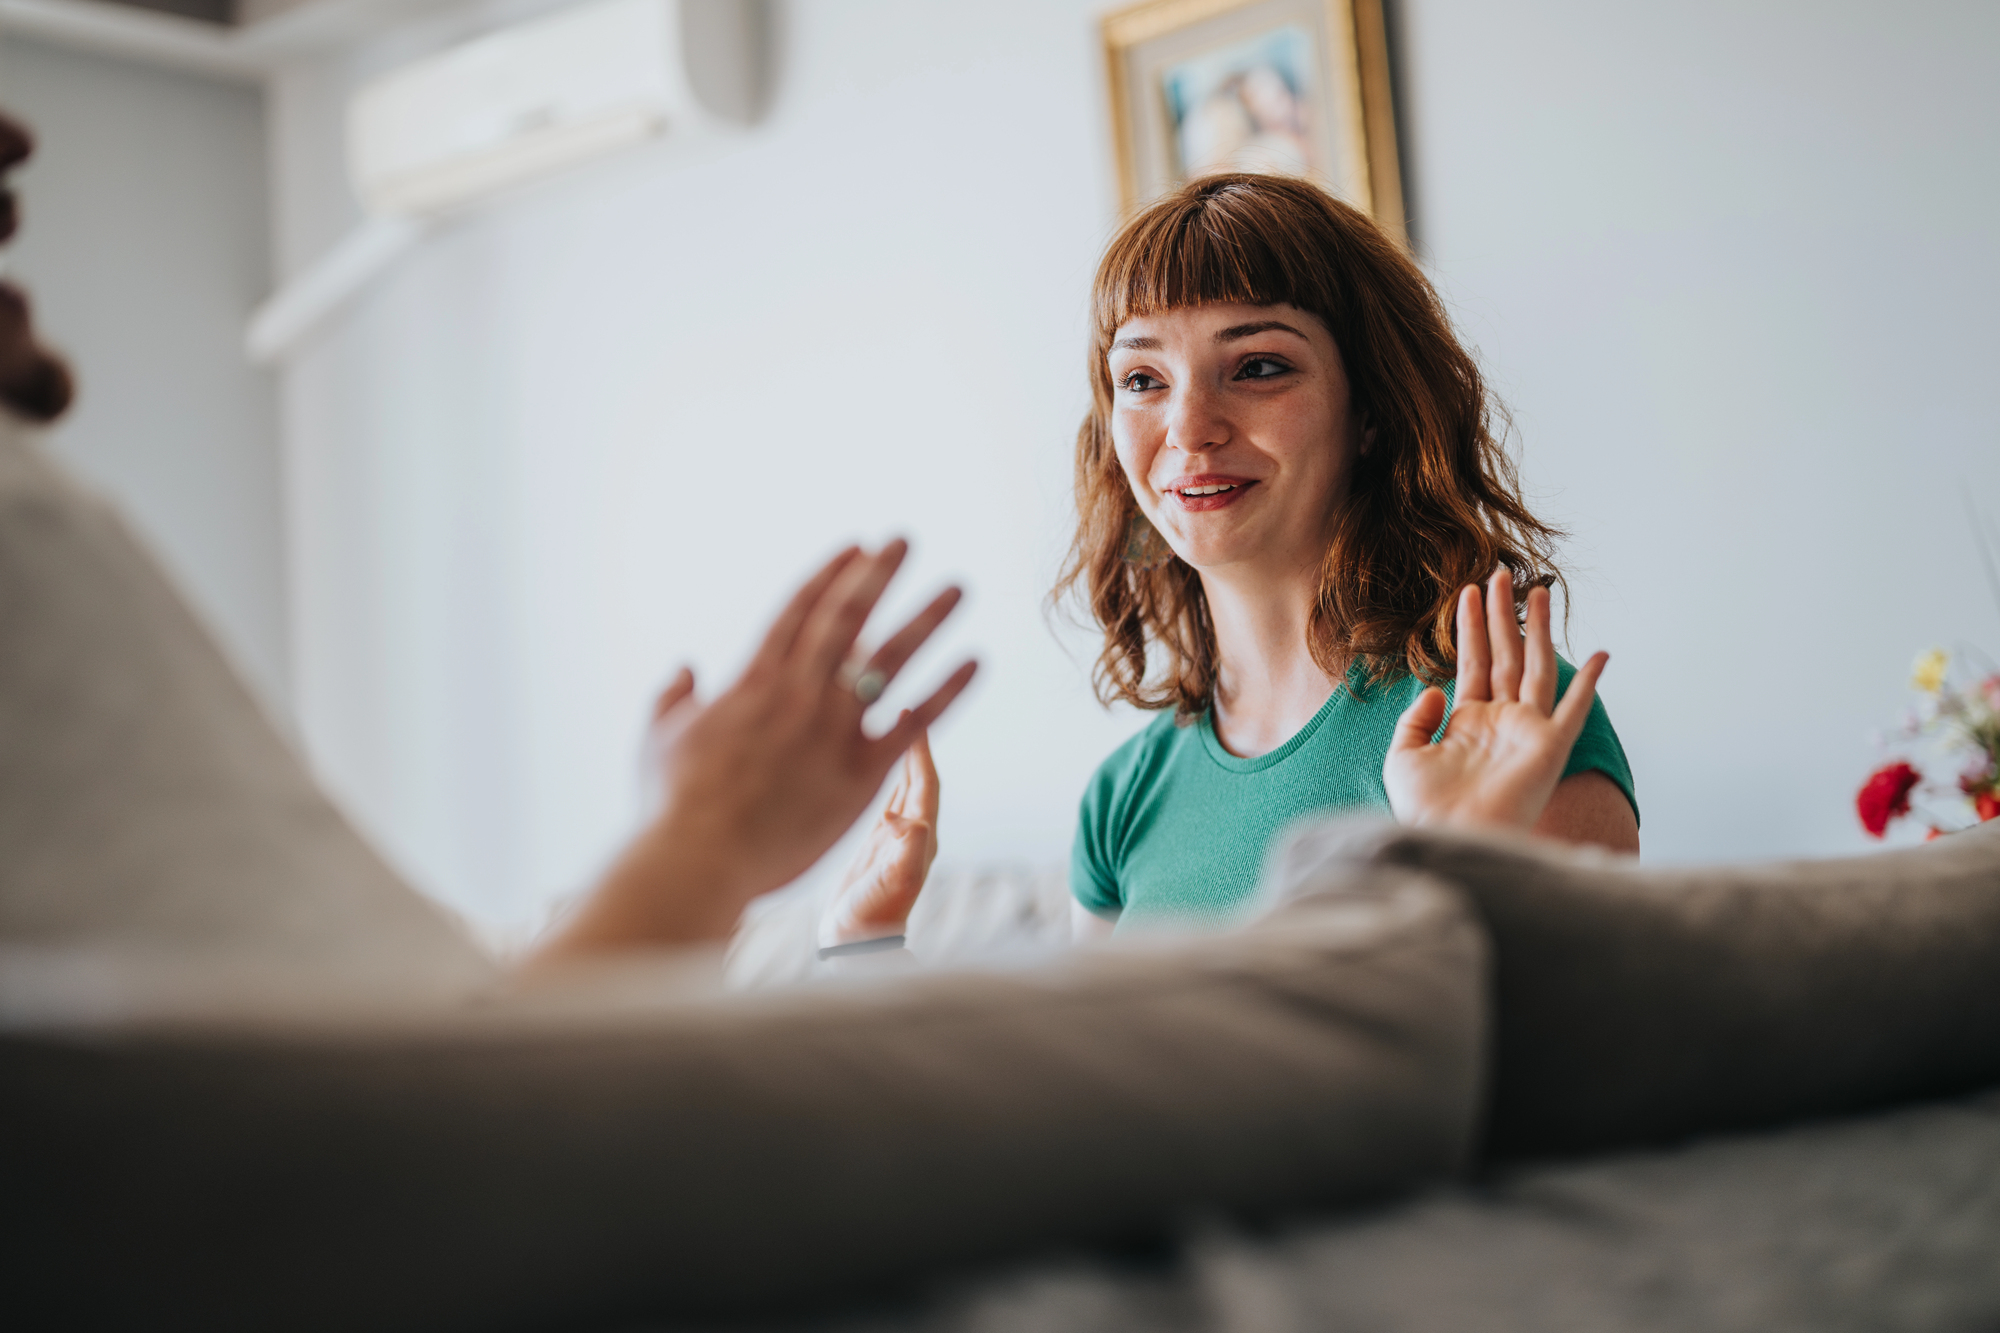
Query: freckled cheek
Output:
(1310,440)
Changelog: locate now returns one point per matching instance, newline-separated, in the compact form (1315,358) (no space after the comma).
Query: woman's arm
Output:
(1590,808)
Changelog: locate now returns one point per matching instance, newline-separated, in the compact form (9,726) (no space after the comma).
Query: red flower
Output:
(1987,804)
(1885,796)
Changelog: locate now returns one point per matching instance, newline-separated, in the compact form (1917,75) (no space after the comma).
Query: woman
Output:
(1288,488)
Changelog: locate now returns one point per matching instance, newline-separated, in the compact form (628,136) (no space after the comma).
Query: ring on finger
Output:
(866,683)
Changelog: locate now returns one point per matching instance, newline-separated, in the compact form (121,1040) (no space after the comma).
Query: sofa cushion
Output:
(544,1161)
(1889,1221)
(1636,1005)
(148,808)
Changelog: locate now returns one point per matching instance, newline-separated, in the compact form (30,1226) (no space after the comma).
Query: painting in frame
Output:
(1293,86)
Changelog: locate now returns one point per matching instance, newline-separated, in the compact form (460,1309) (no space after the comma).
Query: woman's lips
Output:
(1197,495)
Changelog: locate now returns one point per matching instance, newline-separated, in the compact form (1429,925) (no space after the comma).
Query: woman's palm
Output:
(1508,739)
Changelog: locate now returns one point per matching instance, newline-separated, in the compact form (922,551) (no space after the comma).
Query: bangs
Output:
(1218,242)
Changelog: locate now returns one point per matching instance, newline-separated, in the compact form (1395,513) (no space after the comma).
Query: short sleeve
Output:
(1597,748)
(1093,880)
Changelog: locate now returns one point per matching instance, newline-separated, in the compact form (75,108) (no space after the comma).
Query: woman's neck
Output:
(1268,685)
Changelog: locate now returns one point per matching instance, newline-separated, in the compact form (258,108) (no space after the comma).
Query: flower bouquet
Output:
(1956,727)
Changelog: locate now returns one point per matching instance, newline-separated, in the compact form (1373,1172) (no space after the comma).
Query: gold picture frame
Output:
(1299,86)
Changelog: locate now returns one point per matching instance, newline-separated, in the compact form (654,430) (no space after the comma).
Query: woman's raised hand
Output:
(757,784)
(882,885)
(1509,738)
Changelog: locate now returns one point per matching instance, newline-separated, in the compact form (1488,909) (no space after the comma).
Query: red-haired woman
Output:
(1288,492)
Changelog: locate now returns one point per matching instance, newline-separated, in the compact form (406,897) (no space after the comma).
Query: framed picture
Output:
(1296,86)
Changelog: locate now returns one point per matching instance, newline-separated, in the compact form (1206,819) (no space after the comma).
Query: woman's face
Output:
(1232,423)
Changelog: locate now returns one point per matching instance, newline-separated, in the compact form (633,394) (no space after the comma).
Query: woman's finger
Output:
(923,780)
(1574,710)
(1474,662)
(899,798)
(675,694)
(785,629)
(1503,636)
(892,656)
(1419,721)
(1538,676)
(827,637)
(918,720)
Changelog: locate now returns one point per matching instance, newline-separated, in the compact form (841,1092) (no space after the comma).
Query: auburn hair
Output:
(1433,504)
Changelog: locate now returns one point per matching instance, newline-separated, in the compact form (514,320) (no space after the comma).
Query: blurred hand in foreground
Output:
(758,783)
(882,885)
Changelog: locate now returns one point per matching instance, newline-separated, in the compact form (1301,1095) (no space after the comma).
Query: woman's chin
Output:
(1211,555)
(1239,549)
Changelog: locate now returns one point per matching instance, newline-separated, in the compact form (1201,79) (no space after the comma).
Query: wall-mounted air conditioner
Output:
(450,131)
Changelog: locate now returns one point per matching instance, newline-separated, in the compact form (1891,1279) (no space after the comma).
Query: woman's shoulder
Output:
(1141,754)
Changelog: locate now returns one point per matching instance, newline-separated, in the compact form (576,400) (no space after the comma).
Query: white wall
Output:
(600,429)
(1730,266)
(144,246)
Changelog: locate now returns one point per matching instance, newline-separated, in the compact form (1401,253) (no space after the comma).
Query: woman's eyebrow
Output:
(1235,331)
(1136,345)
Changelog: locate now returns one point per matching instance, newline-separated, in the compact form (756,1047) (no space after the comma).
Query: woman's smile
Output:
(1197,495)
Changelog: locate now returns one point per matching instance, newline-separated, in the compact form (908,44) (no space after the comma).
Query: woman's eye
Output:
(1261,368)
(1138,381)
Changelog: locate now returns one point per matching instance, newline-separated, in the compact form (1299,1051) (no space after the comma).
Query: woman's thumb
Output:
(1419,721)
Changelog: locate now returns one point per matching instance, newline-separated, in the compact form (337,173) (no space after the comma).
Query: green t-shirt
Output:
(1174,826)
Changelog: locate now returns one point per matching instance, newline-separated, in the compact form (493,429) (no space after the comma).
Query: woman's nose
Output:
(1195,421)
